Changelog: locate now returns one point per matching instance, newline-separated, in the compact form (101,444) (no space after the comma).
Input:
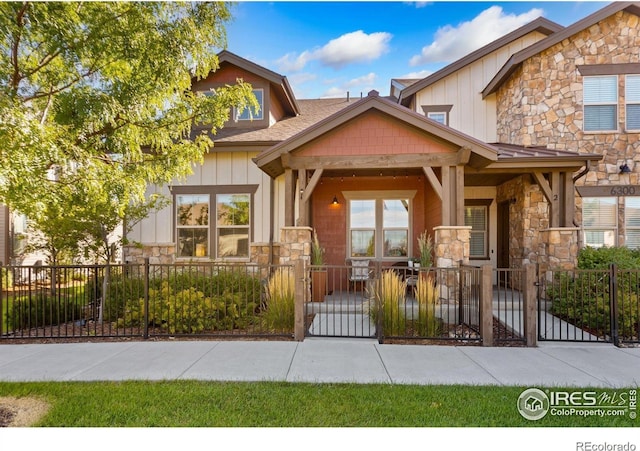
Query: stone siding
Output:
(542,105)
(158,254)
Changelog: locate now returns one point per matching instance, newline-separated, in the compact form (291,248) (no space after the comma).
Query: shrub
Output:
(427,294)
(583,297)
(279,310)
(388,300)
(189,311)
(42,310)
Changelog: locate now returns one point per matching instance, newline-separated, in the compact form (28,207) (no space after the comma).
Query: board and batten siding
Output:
(471,114)
(219,168)
(4,235)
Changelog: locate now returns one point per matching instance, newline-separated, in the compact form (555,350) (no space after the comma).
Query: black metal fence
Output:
(590,306)
(508,306)
(204,299)
(393,303)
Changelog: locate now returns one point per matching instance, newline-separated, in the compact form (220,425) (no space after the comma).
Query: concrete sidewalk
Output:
(324,360)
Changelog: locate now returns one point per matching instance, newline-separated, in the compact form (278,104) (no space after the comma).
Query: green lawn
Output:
(216,404)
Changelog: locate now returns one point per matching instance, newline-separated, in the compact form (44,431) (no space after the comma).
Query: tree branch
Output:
(15,78)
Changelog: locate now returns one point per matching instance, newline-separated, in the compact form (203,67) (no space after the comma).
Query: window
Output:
(227,234)
(379,228)
(632,222)
(232,213)
(601,103)
(632,100)
(192,216)
(395,227)
(600,221)
(249,114)
(438,117)
(438,113)
(476,216)
(363,227)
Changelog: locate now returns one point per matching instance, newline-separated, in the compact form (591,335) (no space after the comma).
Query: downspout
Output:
(577,177)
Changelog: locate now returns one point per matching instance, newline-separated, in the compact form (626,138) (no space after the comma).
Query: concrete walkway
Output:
(324,360)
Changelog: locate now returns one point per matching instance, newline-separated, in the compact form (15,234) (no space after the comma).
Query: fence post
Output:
(299,277)
(529,314)
(146,298)
(486,306)
(613,303)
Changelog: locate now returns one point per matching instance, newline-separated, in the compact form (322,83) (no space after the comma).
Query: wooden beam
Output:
(446,196)
(303,210)
(464,154)
(543,184)
(555,199)
(313,181)
(372,161)
(289,200)
(459,205)
(433,180)
(569,200)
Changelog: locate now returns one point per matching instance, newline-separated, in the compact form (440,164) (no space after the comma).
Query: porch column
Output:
(452,195)
(559,192)
(289,198)
(560,248)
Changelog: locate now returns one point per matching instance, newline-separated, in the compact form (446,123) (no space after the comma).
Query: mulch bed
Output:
(6,416)
(91,332)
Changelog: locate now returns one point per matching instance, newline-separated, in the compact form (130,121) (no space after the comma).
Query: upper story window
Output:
(438,116)
(250,113)
(438,113)
(601,103)
(632,101)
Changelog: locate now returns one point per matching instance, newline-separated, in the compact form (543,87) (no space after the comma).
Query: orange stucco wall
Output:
(373,133)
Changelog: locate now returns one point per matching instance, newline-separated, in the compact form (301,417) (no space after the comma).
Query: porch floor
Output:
(345,314)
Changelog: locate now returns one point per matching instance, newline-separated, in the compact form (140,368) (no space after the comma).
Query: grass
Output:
(280,404)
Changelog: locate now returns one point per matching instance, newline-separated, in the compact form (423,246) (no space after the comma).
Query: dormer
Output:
(272,91)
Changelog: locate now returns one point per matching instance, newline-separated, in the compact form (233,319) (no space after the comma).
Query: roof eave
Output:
(540,24)
(518,58)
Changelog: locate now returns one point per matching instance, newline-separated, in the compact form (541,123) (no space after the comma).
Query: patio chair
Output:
(359,271)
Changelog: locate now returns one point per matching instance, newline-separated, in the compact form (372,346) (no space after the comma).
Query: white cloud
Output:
(452,42)
(419,75)
(354,47)
(355,86)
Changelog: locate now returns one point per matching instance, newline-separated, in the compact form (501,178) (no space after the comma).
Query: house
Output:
(521,152)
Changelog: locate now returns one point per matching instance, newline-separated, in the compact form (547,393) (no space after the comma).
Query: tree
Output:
(96,105)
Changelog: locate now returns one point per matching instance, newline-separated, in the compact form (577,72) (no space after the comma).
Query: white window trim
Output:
(615,104)
(627,102)
(615,229)
(207,227)
(379,196)
(218,227)
(437,113)
(236,113)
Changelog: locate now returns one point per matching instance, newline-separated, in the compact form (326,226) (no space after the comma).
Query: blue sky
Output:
(328,48)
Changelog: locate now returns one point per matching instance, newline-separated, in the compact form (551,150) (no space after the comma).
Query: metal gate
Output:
(597,306)
(393,302)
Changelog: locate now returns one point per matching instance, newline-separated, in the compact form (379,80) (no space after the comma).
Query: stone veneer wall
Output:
(451,250)
(158,254)
(541,103)
(295,244)
(451,246)
(528,214)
